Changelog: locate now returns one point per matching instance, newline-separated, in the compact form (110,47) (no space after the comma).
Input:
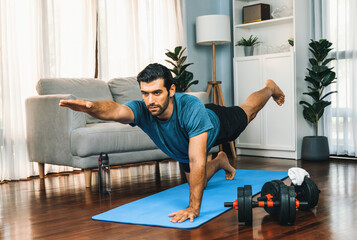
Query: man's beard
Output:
(160,109)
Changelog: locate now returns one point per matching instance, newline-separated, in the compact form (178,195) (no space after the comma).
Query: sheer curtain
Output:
(68,49)
(56,38)
(53,38)
(338,24)
(19,72)
(134,33)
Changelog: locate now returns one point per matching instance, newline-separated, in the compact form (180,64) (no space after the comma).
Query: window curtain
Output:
(19,72)
(135,33)
(52,38)
(57,38)
(337,21)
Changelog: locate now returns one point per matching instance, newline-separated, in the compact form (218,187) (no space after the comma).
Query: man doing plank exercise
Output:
(182,126)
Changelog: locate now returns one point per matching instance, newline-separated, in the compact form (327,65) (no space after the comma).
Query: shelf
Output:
(266,55)
(266,22)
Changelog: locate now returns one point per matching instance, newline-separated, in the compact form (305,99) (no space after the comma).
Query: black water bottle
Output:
(104,173)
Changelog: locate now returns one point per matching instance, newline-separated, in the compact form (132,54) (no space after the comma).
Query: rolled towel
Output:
(297,175)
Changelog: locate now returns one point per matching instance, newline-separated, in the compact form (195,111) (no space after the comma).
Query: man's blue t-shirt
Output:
(189,118)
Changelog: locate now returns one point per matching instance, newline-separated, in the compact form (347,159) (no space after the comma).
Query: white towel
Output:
(297,175)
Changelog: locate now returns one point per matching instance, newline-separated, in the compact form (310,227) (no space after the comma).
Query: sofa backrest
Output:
(128,89)
(82,88)
(125,89)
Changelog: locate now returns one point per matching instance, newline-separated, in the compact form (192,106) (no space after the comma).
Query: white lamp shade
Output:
(213,29)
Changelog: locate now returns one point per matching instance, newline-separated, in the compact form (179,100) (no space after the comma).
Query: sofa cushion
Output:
(109,138)
(125,89)
(83,88)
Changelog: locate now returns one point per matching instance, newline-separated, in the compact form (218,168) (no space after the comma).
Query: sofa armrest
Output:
(49,127)
(203,96)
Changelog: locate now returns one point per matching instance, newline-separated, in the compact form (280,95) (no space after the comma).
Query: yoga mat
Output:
(153,210)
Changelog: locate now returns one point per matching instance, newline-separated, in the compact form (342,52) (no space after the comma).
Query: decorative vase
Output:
(315,148)
(248,50)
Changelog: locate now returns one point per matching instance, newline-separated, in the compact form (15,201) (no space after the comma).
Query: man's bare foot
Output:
(278,95)
(226,166)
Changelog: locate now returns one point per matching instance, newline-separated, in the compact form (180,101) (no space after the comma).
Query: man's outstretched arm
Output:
(104,110)
(197,179)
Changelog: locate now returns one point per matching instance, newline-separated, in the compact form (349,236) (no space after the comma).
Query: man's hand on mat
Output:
(184,214)
(77,104)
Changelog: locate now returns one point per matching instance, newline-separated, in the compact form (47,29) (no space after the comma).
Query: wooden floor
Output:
(60,207)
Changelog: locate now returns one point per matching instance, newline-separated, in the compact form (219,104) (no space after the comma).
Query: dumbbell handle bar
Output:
(269,203)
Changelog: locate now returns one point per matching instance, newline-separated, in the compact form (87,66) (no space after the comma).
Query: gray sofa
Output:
(57,135)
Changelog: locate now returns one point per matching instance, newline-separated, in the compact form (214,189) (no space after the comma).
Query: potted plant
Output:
(315,148)
(183,79)
(248,44)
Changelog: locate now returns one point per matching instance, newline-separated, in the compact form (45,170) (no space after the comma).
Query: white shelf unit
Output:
(276,131)
(279,29)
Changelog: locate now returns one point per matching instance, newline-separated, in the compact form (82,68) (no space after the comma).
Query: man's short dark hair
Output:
(154,72)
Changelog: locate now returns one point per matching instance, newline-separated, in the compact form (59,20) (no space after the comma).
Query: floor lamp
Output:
(214,30)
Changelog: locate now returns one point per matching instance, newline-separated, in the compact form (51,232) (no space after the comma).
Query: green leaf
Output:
(182,51)
(315,83)
(172,56)
(177,50)
(313,62)
(192,83)
(309,114)
(328,94)
(315,95)
(305,103)
(175,71)
(183,67)
(319,107)
(181,61)
(327,61)
(171,62)
(328,79)
(312,89)
(319,69)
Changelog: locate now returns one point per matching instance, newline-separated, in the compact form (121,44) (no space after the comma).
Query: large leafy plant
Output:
(183,79)
(320,76)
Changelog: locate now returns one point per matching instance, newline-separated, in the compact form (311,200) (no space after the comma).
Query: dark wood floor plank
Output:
(60,207)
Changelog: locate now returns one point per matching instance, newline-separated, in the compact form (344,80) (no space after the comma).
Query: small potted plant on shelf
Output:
(315,148)
(183,79)
(248,44)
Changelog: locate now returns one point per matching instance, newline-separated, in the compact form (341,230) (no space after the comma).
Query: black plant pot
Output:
(315,148)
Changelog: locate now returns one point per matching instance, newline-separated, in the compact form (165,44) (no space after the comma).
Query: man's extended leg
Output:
(256,101)
(218,163)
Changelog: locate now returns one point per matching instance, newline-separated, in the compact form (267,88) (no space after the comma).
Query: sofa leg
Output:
(41,170)
(88,177)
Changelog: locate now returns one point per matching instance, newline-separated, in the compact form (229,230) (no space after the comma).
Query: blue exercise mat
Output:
(154,210)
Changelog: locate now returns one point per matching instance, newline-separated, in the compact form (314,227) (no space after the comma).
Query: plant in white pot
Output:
(315,148)
(248,44)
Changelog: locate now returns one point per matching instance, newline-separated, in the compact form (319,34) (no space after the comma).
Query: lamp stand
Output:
(217,94)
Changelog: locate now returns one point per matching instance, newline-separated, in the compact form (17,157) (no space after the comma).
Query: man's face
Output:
(156,96)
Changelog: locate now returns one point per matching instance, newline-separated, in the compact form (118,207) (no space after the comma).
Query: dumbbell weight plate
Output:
(248,205)
(273,188)
(241,205)
(287,209)
(307,192)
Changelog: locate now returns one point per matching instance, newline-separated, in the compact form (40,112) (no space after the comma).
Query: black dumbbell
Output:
(307,192)
(283,204)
